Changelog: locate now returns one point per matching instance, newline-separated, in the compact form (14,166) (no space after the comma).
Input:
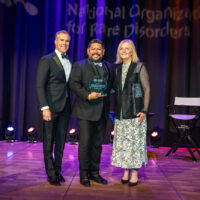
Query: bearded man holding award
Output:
(91,80)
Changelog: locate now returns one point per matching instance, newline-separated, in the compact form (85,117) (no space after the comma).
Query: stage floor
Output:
(22,176)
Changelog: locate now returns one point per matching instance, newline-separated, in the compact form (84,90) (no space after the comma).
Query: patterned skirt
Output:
(129,144)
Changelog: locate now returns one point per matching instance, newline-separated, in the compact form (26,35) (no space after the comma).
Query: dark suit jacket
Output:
(82,73)
(52,88)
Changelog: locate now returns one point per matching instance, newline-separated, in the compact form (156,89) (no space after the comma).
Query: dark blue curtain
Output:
(166,35)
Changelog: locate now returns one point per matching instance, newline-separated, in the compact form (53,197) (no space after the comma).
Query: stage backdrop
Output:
(166,35)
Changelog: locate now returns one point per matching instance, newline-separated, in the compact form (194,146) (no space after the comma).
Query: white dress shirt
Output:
(65,63)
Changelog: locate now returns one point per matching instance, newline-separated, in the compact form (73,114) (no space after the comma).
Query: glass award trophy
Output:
(98,84)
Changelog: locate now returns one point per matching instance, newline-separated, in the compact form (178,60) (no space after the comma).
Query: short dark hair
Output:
(95,41)
(61,31)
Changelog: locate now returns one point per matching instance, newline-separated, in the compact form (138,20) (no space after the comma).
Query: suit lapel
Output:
(59,64)
(106,69)
(94,69)
(56,59)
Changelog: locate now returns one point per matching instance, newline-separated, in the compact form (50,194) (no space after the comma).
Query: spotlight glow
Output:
(10,128)
(31,129)
(73,136)
(72,131)
(31,134)
(10,134)
(154,134)
(9,153)
(155,139)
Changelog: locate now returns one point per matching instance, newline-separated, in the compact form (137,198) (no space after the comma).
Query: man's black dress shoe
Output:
(124,181)
(54,182)
(97,178)
(85,182)
(61,178)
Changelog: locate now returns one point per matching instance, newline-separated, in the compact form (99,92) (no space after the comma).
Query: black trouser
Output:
(91,134)
(55,130)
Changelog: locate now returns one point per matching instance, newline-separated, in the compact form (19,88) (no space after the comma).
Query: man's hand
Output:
(46,115)
(141,116)
(94,95)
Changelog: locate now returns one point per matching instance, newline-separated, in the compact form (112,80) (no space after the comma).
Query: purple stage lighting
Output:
(154,134)
(72,131)
(31,134)
(10,134)
(155,139)
(112,133)
(73,136)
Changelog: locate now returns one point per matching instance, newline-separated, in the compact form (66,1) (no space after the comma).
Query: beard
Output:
(95,60)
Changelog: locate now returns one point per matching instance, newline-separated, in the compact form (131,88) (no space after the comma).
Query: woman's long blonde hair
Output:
(132,46)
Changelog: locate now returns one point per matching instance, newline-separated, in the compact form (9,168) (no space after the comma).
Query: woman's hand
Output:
(141,116)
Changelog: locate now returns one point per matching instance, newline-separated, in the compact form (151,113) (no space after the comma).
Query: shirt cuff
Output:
(44,108)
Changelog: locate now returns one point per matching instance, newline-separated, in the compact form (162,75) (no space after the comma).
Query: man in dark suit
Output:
(54,98)
(91,109)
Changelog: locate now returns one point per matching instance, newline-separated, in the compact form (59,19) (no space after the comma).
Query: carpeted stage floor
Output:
(22,176)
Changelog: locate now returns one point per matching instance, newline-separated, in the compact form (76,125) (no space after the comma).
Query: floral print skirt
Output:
(129,144)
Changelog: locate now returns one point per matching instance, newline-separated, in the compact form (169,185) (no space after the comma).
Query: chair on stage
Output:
(184,123)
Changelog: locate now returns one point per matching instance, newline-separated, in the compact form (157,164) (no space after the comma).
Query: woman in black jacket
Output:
(131,104)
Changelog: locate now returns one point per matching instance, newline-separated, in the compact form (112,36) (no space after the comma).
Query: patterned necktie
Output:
(64,56)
